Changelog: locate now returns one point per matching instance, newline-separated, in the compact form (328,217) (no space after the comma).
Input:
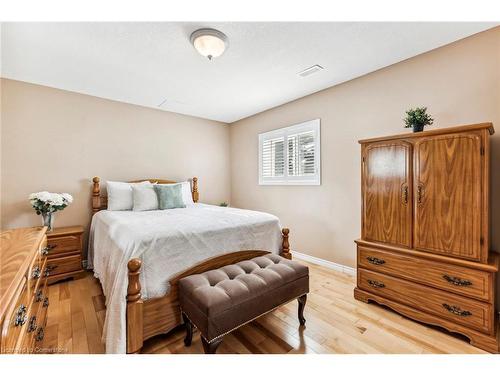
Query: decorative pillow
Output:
(169,196)
(120,196)
(187,195)
(145,198)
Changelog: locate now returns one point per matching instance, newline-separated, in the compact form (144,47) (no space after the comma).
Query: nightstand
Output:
(64,259)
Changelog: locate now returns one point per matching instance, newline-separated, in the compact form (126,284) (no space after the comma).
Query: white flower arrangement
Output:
(44,202)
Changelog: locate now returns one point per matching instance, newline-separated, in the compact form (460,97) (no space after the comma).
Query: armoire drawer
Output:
(457,279)
(465,311)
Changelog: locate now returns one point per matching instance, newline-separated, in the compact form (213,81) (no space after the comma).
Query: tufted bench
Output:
(219,301)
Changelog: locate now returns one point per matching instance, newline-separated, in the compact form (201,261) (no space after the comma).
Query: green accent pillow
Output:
(169,196)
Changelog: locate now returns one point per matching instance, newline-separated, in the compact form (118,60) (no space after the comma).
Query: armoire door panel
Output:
(447,179)
(387,193)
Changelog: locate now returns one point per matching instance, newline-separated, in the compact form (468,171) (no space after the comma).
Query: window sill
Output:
(290,183)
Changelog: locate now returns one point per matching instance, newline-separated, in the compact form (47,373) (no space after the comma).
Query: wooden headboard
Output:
(100,202)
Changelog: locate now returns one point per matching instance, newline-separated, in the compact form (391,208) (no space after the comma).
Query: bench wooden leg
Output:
(189,330)
(302,303)
(211,347)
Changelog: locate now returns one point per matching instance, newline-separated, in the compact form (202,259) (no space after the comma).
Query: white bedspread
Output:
(168,242)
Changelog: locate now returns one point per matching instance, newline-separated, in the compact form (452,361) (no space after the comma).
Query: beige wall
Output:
(57,141)
(459,83)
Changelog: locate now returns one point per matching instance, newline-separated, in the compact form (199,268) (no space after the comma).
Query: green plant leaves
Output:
(417,117)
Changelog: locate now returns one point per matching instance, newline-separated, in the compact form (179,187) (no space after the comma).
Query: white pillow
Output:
(120,196)
(187,195)
(145,198)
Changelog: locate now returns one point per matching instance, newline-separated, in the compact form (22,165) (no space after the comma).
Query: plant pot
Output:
(418,128)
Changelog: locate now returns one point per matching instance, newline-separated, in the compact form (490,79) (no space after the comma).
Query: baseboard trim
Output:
(325,263)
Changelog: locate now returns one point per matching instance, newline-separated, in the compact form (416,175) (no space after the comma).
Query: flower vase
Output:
(48,220)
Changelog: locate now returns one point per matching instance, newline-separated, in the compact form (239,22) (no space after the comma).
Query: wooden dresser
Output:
(23,289)
(65,253)
(424,247)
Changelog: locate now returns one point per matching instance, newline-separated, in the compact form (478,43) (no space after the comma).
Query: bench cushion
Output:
(220,300)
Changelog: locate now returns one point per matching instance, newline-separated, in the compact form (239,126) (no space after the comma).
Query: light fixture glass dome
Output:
(209,42)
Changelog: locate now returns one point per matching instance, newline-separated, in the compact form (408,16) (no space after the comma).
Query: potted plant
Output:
(46,204)
(417,118)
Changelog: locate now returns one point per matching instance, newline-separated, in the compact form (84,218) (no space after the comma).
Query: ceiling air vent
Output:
(311,70)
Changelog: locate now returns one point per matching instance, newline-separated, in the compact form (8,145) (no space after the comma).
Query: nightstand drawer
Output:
(64,244)
(62,265)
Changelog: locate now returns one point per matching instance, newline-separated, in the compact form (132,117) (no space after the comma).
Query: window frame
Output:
(311,125)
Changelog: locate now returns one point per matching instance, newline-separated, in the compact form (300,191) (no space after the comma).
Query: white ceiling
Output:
(154,64)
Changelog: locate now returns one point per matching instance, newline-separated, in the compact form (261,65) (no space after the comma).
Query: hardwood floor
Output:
(336,323)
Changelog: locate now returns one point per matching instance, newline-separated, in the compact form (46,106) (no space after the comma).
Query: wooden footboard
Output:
(155,316)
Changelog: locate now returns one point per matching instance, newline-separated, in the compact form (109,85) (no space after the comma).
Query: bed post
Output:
(96,195)
(196,195)
(285,245)
(134,308)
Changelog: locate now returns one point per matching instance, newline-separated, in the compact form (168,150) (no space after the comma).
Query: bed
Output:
(140,256)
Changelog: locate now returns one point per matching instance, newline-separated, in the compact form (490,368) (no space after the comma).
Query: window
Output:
(291,155)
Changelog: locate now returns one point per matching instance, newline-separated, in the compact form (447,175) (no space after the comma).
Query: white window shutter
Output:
(273,157)
(290,156)
(301,154)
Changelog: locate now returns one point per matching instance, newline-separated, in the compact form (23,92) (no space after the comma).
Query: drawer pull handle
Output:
(404,195)
(20,316)
(420,193)
(46,249)
(40,334)
(456,310)
(38,295)
(49,268)
(46,302)
(36,273)
(376,284)
(32,324)
(457,281)
(375,261)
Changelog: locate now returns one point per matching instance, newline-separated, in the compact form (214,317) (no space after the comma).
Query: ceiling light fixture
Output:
(209,42)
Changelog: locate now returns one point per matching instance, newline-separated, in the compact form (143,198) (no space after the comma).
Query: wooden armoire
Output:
(424,247)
